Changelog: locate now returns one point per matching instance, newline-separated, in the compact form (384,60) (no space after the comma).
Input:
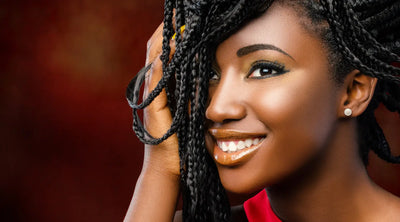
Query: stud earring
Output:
(348,112)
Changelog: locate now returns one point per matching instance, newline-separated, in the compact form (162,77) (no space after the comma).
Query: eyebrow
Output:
(252,48)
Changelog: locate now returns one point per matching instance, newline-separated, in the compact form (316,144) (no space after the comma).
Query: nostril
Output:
(229,120)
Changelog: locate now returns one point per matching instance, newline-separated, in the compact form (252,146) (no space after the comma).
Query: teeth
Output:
(248,142)
(256,141)
(224,147)
(241,145)
(231,146)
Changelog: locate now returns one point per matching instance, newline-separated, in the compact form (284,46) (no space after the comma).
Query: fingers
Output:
(152,78)
(158,111)
(157,116)
(154,51)
(154,45)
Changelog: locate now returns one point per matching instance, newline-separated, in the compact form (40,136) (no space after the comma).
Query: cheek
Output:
(299,115)
(295,102)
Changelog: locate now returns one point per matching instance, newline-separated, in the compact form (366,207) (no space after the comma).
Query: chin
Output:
(237,181)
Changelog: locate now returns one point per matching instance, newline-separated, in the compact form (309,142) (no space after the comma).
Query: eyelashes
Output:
(259,70)
(265,69)
(214,75)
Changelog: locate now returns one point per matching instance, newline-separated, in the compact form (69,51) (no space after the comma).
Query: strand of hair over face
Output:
(365,32)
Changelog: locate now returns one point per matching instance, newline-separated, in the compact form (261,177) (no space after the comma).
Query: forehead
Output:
(280,26)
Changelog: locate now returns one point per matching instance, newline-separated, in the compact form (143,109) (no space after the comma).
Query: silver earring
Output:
(348,112)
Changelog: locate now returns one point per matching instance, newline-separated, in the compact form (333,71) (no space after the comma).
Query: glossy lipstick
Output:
(232,147)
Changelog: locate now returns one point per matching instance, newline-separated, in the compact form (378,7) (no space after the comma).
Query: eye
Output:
(265,69)
(214,76)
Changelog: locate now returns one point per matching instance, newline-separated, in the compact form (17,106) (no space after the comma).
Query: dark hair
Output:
(366,33)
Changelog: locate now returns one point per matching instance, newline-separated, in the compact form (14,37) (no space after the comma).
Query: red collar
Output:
(258,209)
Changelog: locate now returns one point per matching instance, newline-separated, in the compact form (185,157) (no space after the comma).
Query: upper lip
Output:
(224,134)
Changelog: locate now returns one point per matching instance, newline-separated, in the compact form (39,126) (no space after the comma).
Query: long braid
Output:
(385,15)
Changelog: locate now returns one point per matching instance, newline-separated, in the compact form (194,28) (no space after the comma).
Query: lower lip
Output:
(235,158)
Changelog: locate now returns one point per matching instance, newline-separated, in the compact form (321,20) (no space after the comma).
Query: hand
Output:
(163,157)
(158,184)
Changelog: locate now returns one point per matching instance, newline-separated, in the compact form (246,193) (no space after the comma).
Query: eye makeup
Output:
(262,69)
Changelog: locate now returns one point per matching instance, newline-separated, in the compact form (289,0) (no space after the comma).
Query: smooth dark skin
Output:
(309,160)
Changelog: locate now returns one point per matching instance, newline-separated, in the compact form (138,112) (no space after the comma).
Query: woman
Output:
(267,94)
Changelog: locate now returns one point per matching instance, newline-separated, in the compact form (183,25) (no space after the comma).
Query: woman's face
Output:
(273,104)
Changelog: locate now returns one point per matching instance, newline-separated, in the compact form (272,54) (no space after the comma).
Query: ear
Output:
(358,90)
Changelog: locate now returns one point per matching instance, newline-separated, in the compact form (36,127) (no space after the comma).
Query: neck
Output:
(333,187)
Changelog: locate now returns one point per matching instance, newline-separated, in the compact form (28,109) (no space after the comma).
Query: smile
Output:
(232,148)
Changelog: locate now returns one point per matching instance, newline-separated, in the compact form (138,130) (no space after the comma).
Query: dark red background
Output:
(67,149)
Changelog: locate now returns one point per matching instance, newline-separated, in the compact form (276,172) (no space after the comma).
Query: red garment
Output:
(258,209)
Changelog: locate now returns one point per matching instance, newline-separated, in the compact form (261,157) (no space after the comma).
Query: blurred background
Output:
(68,152)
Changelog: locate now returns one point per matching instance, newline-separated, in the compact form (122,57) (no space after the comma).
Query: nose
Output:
(226,102)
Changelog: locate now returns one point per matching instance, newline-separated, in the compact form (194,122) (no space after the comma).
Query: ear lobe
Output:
(358,90)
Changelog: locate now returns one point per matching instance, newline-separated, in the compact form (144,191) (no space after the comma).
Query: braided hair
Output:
(361,35)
